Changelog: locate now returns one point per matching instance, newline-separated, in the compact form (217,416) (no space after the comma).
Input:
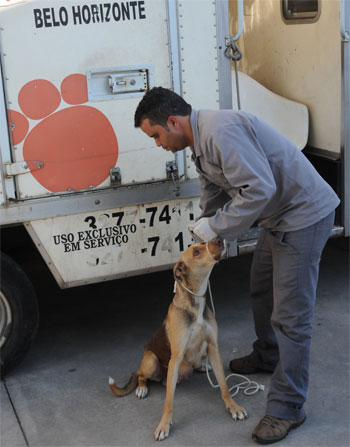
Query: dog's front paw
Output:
(162,431)
(237,412)
(141,392)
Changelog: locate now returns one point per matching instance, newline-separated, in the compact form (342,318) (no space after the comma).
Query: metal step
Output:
(247,242)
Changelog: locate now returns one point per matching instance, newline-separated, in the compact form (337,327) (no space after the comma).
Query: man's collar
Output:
(194,125)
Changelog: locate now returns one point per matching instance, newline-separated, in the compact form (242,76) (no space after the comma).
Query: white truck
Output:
(99,200)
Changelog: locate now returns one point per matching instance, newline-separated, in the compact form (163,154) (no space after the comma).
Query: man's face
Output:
(171,138)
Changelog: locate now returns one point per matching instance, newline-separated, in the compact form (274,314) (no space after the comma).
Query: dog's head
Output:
(197,261)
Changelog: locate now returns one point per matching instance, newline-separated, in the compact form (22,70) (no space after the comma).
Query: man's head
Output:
(165,116)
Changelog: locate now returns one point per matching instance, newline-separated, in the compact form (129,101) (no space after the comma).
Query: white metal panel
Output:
(43,40)
(224,62)
(288,117)
(180,157)
(102,245)
(199,58)
(7,187)
(198,49)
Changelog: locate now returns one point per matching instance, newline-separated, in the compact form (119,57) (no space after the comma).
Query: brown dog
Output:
(188,335)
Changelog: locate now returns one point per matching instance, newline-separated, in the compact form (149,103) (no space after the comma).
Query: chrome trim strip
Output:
(69,204)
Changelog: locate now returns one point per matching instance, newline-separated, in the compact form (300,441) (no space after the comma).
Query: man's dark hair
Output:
(158,104)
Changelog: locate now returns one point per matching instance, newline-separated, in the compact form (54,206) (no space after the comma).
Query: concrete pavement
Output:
(59,395)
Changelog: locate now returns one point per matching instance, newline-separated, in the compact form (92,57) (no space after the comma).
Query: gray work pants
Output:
(283,286)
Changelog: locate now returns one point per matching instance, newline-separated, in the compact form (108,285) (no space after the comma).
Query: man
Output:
(251,173)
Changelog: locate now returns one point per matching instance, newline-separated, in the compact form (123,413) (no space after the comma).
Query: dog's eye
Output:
(196,252)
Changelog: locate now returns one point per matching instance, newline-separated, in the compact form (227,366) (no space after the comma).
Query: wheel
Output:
(19,313)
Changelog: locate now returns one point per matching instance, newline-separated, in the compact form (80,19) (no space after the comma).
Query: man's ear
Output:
(172,121)
(180,270)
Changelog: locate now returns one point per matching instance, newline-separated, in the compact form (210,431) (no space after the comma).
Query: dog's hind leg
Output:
(150,369)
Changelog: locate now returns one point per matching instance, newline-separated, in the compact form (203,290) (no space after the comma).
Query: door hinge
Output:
(172,174)
(21,167)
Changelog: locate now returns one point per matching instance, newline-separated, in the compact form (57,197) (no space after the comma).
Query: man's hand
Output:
(202,231)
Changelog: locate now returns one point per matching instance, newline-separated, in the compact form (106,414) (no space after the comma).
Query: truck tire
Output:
(19,313)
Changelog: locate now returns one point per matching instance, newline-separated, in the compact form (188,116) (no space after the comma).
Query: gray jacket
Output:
(250,172)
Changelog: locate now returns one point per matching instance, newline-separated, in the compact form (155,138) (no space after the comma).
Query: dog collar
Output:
(188,290)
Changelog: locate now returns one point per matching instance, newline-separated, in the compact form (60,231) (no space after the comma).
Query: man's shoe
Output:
(271,429)
(244,365)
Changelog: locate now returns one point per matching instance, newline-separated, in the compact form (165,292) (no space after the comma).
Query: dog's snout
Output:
(217,248)
(218,241)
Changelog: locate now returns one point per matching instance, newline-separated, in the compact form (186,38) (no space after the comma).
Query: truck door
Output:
(74,73)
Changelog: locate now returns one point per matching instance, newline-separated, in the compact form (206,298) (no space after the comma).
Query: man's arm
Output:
(247,169)
(212,197)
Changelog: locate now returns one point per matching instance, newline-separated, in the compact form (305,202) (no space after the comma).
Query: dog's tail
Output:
(130,386)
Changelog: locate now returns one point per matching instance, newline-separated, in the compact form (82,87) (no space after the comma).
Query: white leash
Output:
(248,386)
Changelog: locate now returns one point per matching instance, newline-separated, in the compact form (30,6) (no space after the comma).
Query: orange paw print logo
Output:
(72,148)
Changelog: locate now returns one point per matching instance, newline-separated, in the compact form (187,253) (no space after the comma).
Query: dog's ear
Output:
(179,270)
